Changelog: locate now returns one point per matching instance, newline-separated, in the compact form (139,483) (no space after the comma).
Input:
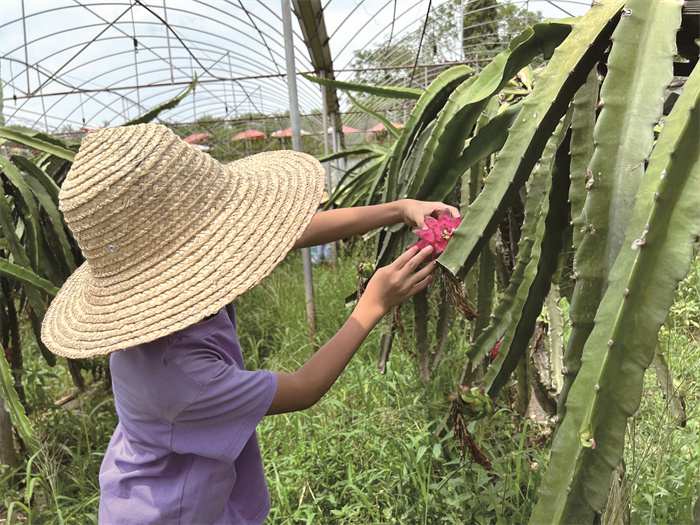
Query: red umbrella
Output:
(382,127)
(197,138)
(250,134)
(346,129)
(287,133)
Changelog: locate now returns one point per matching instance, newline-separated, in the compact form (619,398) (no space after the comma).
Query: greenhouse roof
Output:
(72,64)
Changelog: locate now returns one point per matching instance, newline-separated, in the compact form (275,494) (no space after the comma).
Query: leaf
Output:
(389,126)
(34,178)
(36,143)
(537,274)
(30,210)
(26,276)
(359,150)
(638,74)
(541,111)
(655,255)
(153,114)
(31,169)
(380,91)
(425,110)
(15,408)
(488,140)
(582,147)
(36,301)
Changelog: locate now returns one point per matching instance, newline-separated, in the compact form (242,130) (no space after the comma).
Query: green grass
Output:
(663,459)
(373,450)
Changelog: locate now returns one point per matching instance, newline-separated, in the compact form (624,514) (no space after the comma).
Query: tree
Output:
(486,29)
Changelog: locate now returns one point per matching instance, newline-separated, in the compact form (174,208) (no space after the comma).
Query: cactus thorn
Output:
(568,490)
(600,104)
(597,387)
(656,196)
(625,292)
(564,371)
(626,12)
(610,343)
(663,174)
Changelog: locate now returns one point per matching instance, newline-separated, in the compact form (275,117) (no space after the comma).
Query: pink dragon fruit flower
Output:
(437,233)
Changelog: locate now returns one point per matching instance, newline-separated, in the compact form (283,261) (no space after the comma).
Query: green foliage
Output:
(373,450)
(605,162)
(487,25)
(37,252)
(151,115)
(653,256)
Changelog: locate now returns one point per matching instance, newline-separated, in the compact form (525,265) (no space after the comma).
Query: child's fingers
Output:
(406,256)
(422,273)
(421,285)
(410,265)
(453,211)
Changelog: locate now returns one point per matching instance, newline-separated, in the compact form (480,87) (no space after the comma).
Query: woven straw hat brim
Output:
(268,201)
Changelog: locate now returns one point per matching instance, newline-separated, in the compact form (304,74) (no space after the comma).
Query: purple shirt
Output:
(185,450)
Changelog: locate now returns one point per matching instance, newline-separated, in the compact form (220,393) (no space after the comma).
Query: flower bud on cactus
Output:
(494,352)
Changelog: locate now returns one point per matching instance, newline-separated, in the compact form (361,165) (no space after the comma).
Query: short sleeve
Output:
(224,415)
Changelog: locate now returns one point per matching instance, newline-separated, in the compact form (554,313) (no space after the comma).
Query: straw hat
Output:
(169,234)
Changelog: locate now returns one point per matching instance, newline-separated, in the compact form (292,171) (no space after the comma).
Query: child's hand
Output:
(398,281)
(414,212)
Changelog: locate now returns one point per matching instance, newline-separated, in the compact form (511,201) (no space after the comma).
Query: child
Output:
(171,237)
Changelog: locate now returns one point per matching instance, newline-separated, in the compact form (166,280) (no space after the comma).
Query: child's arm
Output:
(332,225)
(390,286)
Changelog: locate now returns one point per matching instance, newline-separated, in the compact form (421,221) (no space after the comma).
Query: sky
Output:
(89,44)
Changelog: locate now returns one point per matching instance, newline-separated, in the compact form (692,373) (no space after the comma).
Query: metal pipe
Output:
(296,144)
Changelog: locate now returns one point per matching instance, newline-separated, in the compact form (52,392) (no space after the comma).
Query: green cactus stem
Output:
(542,109)
(655,255)
(631,101)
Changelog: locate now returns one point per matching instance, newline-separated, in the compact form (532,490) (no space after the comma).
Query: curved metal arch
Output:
(108,58)
(217,35)
(212,40)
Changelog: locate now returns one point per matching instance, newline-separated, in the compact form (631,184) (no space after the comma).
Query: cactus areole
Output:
(437,233)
